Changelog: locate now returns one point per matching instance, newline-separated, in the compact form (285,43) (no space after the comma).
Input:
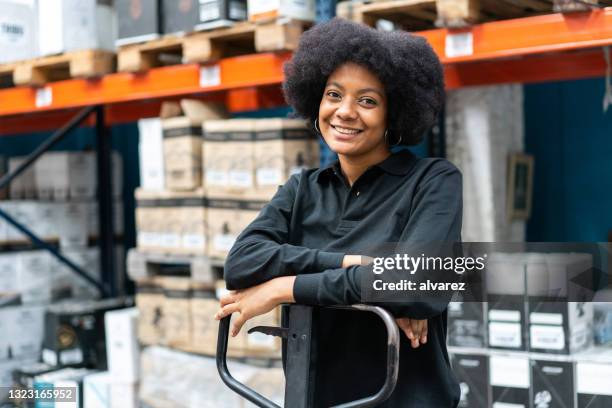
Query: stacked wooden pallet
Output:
(415,15)
(75,64)
(199,47)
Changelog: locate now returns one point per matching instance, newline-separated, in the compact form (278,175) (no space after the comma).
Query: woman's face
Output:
(353,111)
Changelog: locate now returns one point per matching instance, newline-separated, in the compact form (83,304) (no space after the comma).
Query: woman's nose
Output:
(346,110)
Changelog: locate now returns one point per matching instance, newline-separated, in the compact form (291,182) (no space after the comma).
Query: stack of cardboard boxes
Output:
(204,179)
(33,28)
(526,339)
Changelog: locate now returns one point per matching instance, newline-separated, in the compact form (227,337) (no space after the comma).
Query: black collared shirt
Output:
(307,228)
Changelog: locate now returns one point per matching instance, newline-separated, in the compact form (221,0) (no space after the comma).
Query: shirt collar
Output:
(398,164)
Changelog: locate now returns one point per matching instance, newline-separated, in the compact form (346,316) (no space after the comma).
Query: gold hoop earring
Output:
(316,126)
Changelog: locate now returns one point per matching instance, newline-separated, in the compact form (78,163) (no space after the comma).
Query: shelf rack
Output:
(533,49)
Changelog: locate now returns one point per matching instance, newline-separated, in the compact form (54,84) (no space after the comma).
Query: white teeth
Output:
(346,131)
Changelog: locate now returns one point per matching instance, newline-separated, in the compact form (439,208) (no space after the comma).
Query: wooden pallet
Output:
(201,269)
(74,64)
(240,39)
(413,15)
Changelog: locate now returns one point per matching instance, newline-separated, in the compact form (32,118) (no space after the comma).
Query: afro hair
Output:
(406,65)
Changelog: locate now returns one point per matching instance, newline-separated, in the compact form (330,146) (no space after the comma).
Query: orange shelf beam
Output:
(528,36)
(165,82)
(541,48)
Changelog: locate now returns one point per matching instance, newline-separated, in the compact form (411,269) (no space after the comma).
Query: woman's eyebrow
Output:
(361,91)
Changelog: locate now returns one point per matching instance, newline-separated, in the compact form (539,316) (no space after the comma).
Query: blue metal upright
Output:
(104,171)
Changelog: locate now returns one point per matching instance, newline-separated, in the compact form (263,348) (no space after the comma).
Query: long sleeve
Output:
(435,217)
(261,252)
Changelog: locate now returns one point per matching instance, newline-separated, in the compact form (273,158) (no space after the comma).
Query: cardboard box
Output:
(151,154)
(557,324)
(24,185)
(172,222)
(150,303)
(122,350)
(205,328)
(36,278)
(229,156)
(64,378)
(183,143)
(179,16)
(8,273)
(593,374)
(552,383)
(66,175)
(472,372)
(227,217)
(18,35)
(177,311)
(266,10)
(22,331)
(220,13)
(510,380)
(69,25)
(507,300)
(467,324)
(74,225)
(138,21)
(282,147)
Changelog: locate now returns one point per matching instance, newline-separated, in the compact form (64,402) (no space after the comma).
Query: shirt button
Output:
(357,193)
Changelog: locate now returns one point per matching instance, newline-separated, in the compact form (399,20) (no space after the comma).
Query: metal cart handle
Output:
(371,401)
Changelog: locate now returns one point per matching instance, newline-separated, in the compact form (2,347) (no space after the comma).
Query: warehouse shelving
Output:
(532,49)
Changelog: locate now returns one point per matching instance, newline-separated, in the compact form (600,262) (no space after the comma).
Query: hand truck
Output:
(299,370)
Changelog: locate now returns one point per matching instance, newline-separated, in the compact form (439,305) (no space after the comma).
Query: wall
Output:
(571,139)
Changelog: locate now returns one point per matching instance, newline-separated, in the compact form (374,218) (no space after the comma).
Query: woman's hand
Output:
(415,330)
(255,301)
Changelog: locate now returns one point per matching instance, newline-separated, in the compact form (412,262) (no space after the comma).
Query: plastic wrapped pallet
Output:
(175,379)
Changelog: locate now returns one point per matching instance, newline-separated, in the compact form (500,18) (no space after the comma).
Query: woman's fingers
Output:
(424,332)
(228,298)
(227,310)
(416,330)
(407,326)
(237,324)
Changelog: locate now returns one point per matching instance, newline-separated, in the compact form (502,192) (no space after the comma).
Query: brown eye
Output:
(369,101)
(333,94)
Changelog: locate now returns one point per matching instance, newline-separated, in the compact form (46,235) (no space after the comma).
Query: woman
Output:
(364,91)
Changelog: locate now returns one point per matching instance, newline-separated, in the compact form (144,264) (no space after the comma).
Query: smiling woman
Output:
(363,91)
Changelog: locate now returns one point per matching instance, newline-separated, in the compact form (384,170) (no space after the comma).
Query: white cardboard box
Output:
(22,331)
(24,185)
(122,350)
(35,276)
(68,25)
(151,154)
(8,274)
(18,33)
(102,390)
(272,9)
(73,226)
